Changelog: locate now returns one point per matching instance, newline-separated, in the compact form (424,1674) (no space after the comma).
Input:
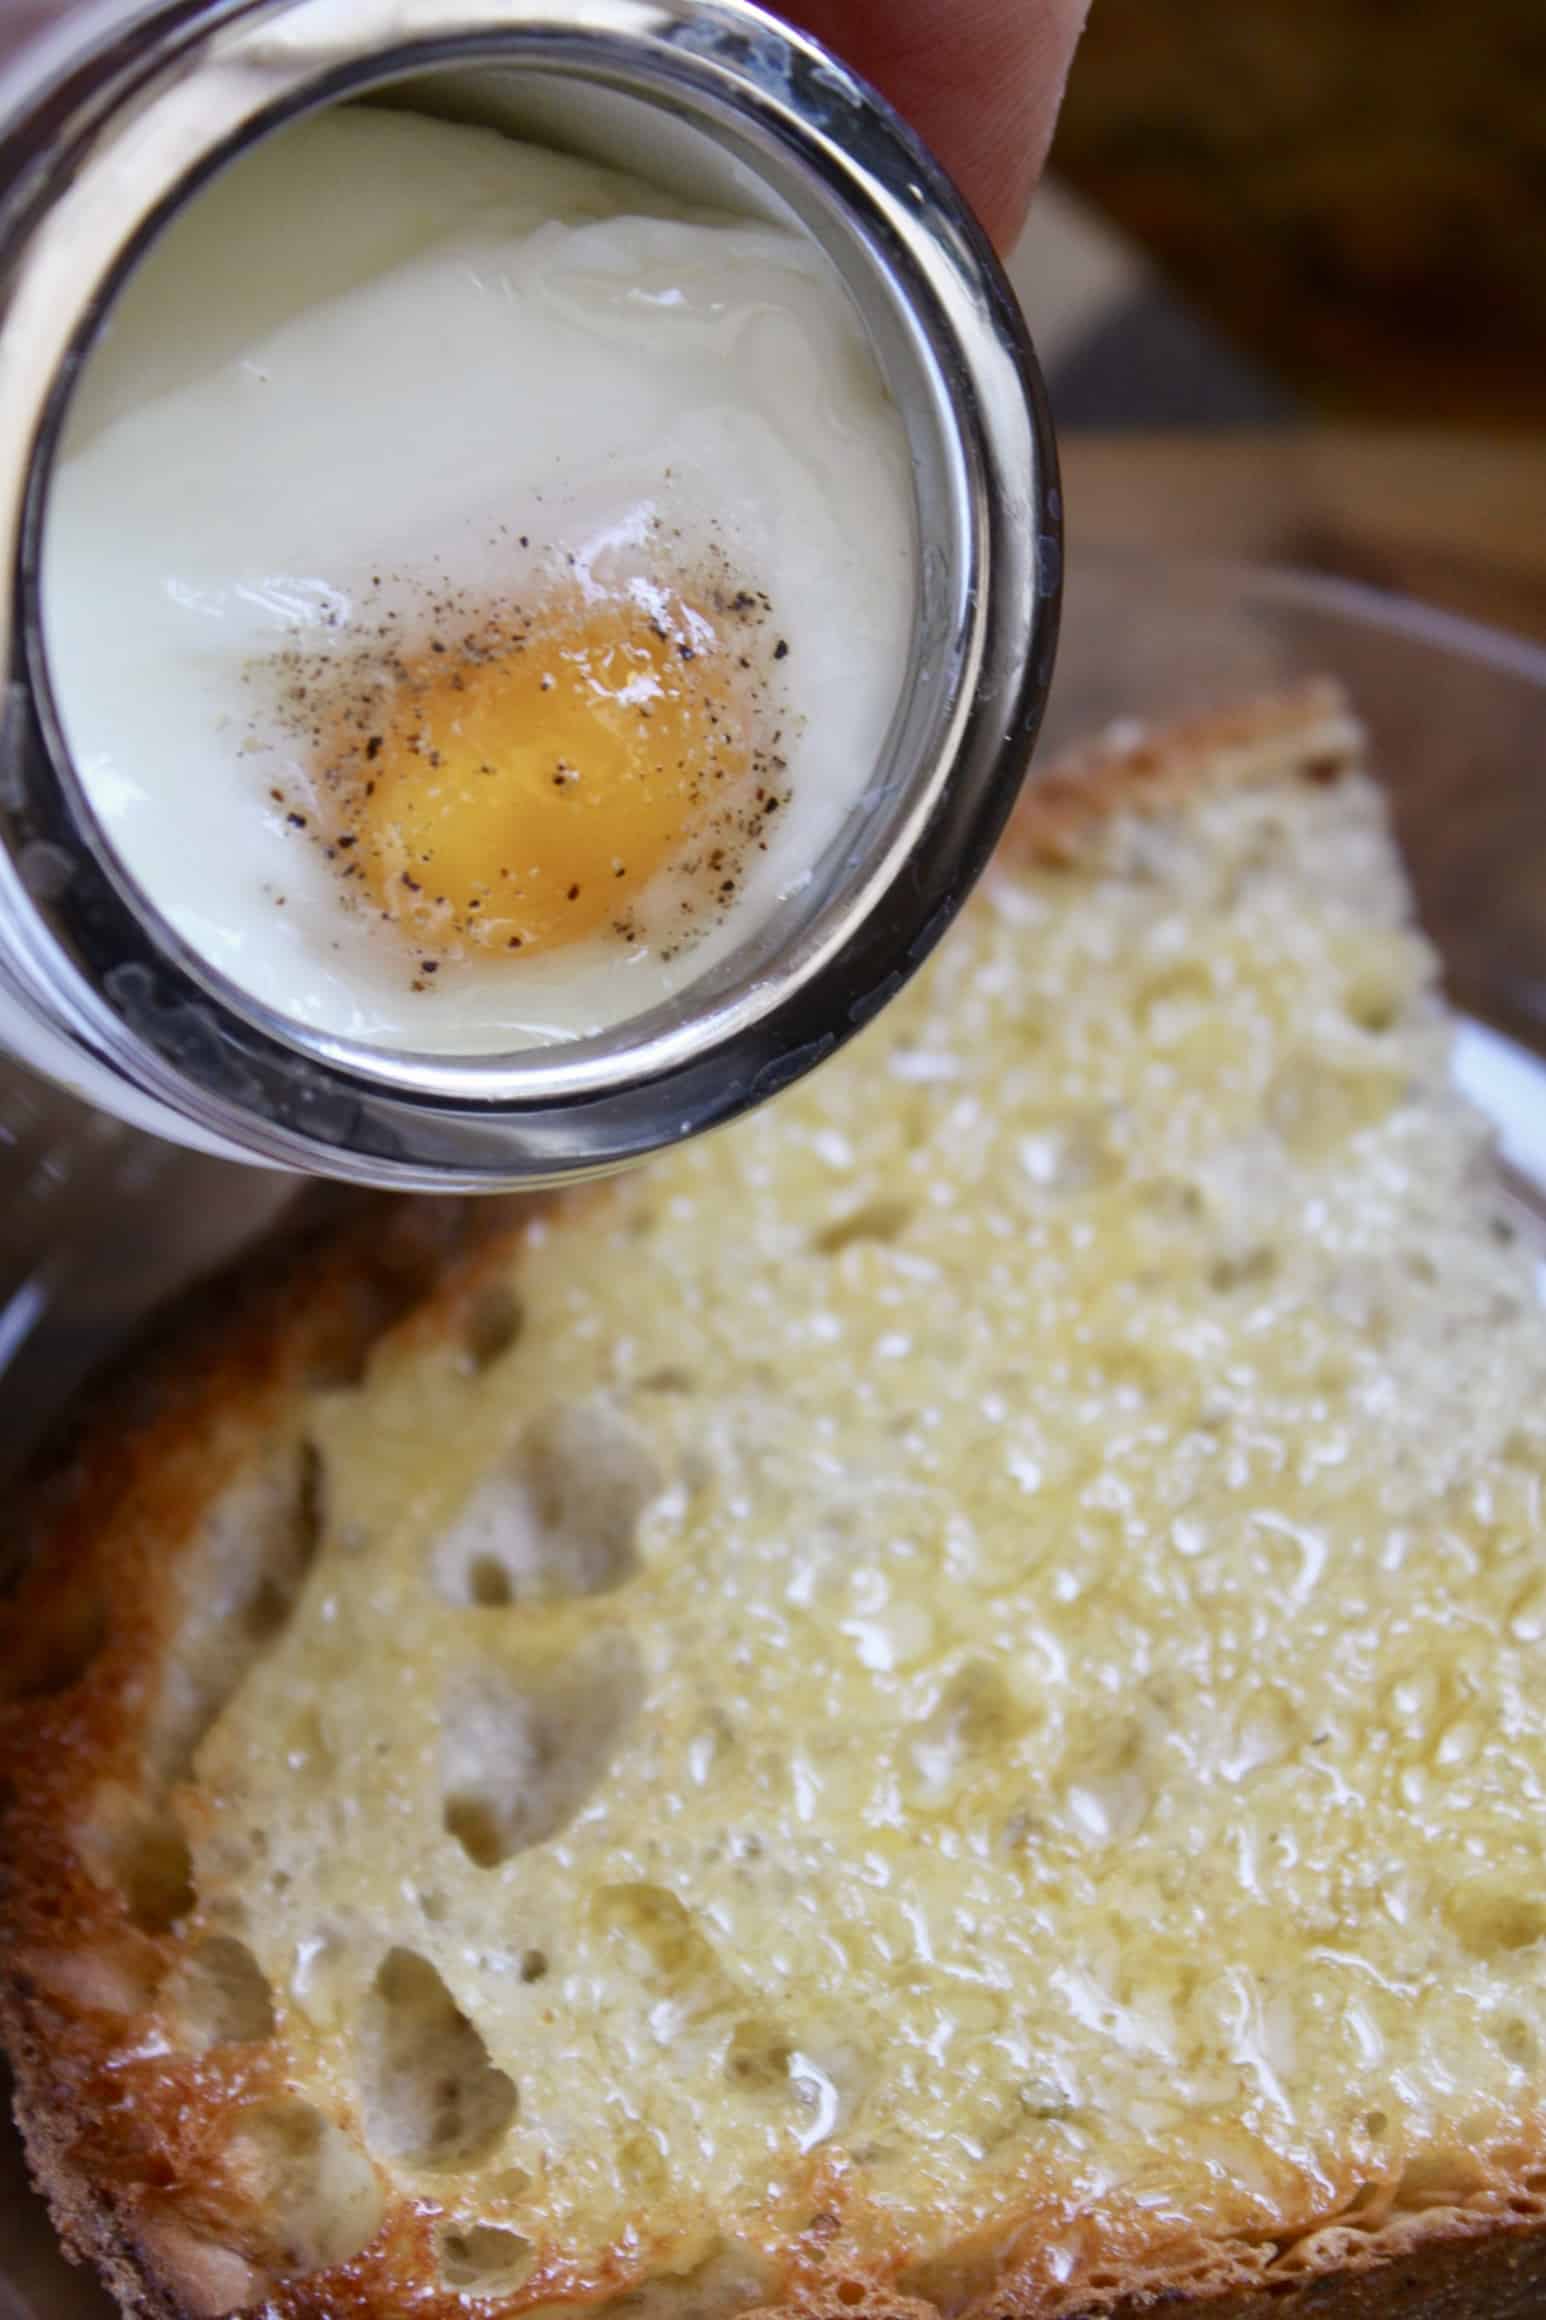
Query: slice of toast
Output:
(934,1705)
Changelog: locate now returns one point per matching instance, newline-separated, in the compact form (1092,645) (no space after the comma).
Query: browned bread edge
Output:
(104,1519)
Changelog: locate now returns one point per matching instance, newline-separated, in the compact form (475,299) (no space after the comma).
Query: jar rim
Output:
(957,359)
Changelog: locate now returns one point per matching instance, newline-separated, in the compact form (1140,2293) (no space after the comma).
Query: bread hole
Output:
(476,1827)
(296,1554)
(1167,1002)
(758,2057)
(1129,1371)
(1326,771)
(977,1716)
(482,2259)
(876,1220)
(1320,2253)
(508,2183)
(1373,1009)
(1517,2042)
(1491,1921)
(266,1614)
(1439,2179)
(592,1478)
(340,1350)
(362,1308)
(1171,1201)
(1366,2209)
(307,2194)
(488,1583)
(257,1546)
(670,1378)
(1108,1780)
(432,2097)
(641,2164)
(219,1996)
(153,1869)
(492,1326)
(1376,995)
(831,2076)
(660,1941)
(1044,2099)
(1252,1269)
(534,1965)
(852,2292)
(1315,1106)
(561,1519)
(521,1753)
(54,1656)
(657,1925)
(1375,2124)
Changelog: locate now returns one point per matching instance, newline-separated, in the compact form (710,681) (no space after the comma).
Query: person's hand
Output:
(981,80)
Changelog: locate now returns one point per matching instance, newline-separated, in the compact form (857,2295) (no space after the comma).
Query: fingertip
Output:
(981,80)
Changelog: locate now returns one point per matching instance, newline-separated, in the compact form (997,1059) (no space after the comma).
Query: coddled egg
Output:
(476,587)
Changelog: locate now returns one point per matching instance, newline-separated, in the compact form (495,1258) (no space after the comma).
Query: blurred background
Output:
(1289,279)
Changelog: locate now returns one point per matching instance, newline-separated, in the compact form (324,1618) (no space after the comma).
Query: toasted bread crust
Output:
(111,1501)
(1309,732)
(132,2185)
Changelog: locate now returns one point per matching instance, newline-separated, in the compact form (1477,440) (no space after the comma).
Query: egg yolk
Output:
(518,792)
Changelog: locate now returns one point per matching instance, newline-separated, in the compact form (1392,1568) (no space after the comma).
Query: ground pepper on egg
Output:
(593,762)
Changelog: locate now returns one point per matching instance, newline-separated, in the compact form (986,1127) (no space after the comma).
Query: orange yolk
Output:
(517,795)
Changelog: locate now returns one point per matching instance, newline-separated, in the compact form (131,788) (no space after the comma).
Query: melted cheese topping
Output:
(981,1647)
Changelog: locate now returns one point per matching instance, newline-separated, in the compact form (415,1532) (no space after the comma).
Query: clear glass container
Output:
(121,122)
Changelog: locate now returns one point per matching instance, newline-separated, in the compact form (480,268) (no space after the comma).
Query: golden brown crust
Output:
(1308,733)
(126,2144)
(113,1502)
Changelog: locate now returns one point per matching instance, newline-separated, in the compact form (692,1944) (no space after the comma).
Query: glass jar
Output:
(114,121)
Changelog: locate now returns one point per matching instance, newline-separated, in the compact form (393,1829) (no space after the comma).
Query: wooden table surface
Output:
(1455,519)
(1354,194)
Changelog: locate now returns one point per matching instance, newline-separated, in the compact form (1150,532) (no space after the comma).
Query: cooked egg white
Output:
(476,589)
